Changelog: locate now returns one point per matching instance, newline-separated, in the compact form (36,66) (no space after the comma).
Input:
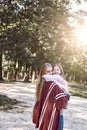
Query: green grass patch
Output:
(77,89)
(7,81)
(7,103)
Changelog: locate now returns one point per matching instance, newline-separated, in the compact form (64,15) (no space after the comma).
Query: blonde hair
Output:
(40,81)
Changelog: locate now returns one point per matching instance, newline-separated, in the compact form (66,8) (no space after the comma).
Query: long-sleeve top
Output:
(52,100)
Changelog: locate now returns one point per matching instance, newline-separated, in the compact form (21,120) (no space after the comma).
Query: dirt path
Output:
(19,118)
(76,114)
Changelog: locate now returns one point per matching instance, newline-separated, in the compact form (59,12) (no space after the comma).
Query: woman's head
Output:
(46,68)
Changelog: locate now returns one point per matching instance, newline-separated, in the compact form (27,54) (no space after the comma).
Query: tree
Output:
(33,32)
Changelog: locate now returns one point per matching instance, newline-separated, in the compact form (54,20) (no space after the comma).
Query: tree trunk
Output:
(26,77)
(16,71)
(1,66)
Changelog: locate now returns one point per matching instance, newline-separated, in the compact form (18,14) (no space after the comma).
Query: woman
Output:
(51,100)
(46,69)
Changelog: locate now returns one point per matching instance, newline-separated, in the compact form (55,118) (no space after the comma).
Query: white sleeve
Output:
(62,83)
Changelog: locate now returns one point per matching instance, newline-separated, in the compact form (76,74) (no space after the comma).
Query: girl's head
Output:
(58,70)
(46,68)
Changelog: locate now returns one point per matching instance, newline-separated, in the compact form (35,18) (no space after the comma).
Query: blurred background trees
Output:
(36,31)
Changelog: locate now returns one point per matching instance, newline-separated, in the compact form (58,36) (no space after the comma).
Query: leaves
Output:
(33,32)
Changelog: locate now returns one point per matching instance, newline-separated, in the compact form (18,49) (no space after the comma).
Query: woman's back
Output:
(50,104)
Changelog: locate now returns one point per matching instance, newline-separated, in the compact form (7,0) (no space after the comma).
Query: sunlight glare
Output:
(80,28)
(81,34)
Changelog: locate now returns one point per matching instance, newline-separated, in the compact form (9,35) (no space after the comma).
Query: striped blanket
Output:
(51,102)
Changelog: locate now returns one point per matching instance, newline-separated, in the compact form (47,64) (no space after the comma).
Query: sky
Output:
(80,26)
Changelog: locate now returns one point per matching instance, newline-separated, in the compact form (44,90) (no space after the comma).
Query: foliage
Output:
(34,32)
(78,89)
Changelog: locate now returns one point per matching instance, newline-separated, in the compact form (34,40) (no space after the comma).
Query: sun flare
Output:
(80,26)
(81,34)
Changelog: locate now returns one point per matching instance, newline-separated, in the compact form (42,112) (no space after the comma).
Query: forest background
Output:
(36,31)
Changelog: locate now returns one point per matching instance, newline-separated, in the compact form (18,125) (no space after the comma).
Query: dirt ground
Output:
(20,118)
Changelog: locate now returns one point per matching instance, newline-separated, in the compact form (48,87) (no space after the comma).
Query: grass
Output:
(7,103)
(77,89)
